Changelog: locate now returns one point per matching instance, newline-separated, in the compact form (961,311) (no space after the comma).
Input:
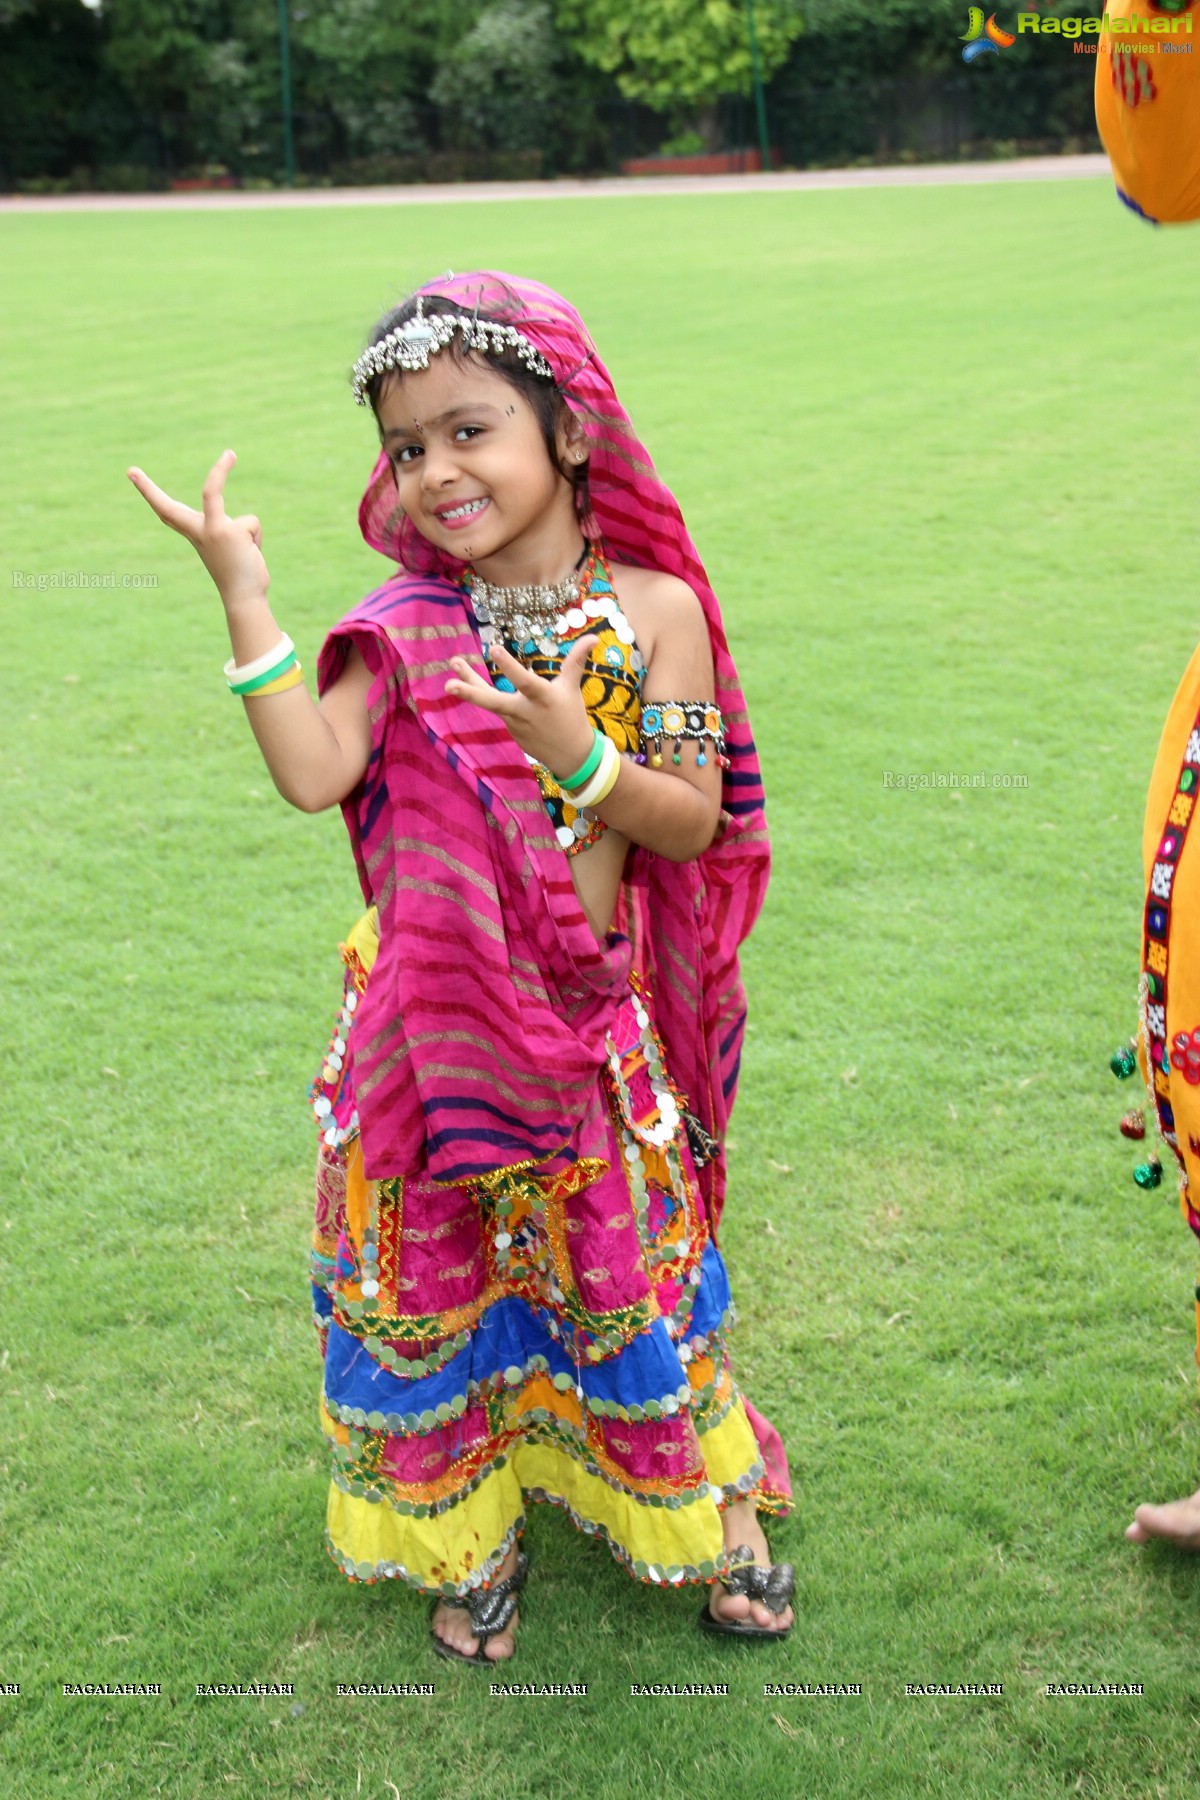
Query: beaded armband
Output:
(676,720)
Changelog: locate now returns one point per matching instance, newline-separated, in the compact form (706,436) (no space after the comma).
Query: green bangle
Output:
(586,769)
(252,686)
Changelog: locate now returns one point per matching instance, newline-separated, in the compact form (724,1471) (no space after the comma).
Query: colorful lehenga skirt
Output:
(526,1338)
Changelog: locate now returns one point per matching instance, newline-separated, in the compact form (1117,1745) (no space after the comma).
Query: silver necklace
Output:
(528,611)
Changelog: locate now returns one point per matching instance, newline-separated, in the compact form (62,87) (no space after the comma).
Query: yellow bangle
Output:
(293,677)
(602,777)
(609,784)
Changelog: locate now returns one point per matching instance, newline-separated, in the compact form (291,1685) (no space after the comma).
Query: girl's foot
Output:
(453,1623)
(739,1523)
(1178,1522)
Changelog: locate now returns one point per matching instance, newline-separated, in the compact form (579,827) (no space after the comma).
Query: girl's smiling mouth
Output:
(461,513)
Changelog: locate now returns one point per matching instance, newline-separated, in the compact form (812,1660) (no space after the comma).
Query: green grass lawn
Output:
(938,448)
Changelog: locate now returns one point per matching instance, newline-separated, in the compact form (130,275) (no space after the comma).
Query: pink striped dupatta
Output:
(482,1033)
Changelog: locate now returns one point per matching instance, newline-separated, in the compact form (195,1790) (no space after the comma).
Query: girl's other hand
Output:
(230,549)
(546,715)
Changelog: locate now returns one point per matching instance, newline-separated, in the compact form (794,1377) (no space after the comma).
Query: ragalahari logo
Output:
(982,37)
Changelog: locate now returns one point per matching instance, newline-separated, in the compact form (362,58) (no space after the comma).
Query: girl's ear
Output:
(570,441)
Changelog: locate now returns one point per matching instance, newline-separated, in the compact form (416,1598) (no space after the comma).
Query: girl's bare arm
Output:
(317,754)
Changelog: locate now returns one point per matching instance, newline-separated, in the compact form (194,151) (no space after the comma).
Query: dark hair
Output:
(542,392)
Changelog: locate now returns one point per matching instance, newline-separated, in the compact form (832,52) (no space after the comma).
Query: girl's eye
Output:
(408,453)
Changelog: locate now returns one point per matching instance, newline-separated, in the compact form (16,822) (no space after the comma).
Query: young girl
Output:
(539,743)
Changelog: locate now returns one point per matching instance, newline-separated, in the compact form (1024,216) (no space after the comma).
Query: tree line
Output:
(133,93)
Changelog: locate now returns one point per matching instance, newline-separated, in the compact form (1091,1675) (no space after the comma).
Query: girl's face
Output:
(472,468)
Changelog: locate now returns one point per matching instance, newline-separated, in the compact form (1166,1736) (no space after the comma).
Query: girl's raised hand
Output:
(230,549)
(547,717)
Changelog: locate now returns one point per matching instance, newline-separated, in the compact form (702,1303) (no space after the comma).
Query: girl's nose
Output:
(438,466)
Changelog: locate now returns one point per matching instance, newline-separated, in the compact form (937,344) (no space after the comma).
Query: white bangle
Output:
(261,664)
(599,782)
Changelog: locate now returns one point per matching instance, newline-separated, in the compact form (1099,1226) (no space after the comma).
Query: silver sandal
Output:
(772,1584)
(490,1609)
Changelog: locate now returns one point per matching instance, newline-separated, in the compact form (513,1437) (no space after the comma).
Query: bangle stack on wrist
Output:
(589,765)
(272,673)
(596,777)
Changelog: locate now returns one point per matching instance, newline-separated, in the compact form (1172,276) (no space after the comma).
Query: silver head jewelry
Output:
(411,345)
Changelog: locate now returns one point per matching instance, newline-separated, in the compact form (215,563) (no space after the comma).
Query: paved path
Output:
(1025,168)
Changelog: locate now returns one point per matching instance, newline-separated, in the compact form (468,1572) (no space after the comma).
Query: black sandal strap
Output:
(773,1586)
(492,1608)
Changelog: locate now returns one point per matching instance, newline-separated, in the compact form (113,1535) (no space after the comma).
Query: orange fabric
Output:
(1176,959)
(1164,777)
(1148,113)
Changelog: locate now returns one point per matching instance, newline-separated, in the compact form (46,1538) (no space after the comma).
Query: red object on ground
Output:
(188,185)
(720,162)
